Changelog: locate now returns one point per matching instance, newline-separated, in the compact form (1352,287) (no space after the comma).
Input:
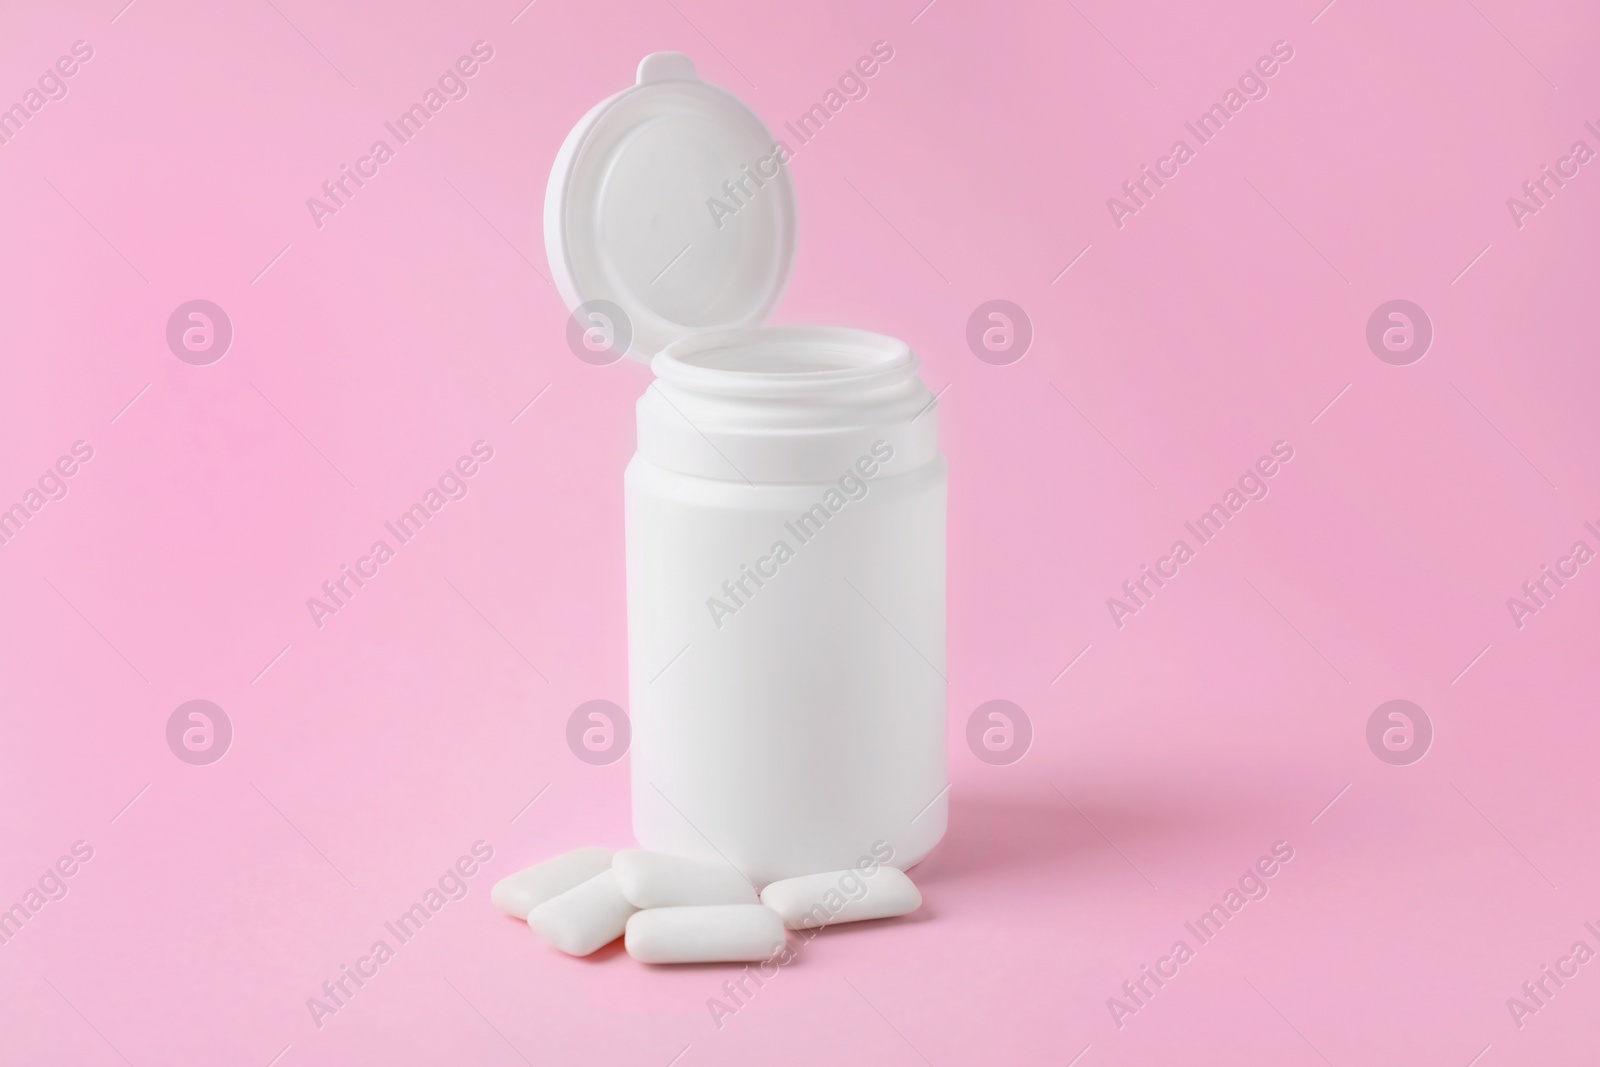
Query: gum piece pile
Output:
(673,909)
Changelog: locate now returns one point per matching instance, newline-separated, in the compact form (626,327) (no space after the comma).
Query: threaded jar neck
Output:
(783,403)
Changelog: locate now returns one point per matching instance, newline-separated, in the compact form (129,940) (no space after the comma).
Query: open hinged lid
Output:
(670,201)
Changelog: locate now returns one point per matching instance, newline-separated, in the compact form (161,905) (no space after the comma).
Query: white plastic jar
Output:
(785,509)
(786,554)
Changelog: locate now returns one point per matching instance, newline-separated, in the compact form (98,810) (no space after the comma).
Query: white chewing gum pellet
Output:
(662,880)
(716,933)
(584,918)
(517,894)
(815,900)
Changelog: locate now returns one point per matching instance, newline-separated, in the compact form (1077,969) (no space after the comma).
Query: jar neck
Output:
(784,404)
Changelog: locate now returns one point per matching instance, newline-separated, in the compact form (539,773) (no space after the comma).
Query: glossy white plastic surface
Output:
(787,704)
(630,213)
(786,723)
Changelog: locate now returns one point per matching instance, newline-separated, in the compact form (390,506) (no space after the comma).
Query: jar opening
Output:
(777,359)
(784,358)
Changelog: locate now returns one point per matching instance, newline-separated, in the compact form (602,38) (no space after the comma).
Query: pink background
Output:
(1226,315)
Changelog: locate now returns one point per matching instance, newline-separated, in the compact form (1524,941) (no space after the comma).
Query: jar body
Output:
(786,584)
